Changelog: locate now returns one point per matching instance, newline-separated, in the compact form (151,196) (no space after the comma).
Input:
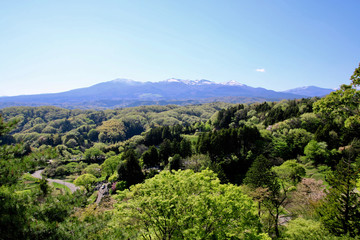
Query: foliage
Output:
(109,166)
(301,228)
(129,169)
(175,162)
(94,154)
(290,171)
(340,211)
(86,180)
(316,152)
(197,162)
(186,205)
(112,130)
(93,169)
(258,146)
(260,174)
(151,157)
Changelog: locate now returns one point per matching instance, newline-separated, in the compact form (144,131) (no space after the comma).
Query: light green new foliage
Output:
(301,229)
(186,205)
(343,104)
(110,165)
(290,171)
(85,180)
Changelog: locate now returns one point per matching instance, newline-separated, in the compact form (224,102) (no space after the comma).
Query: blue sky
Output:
(53,46)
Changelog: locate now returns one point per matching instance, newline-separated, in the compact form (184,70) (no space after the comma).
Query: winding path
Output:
(71,186)
(102,191)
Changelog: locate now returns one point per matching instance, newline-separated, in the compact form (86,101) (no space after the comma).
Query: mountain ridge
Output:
(123,92)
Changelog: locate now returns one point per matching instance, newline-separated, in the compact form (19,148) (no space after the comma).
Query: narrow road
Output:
(101,193)
(71,186)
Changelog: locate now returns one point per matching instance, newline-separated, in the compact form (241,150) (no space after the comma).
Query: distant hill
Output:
(125,92)
(310,91)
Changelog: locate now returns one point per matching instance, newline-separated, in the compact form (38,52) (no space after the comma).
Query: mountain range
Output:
(125,93)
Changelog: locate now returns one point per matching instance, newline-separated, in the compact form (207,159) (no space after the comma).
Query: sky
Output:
(54,46)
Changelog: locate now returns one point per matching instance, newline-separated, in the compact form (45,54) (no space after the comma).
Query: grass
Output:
(60,186)
(23,192)
(192,138)
(28,177)
(29,181)
(93,197)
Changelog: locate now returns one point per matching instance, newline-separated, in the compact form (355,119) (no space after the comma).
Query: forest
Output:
(265,170)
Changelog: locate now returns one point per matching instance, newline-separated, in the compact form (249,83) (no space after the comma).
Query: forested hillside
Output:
(281,170)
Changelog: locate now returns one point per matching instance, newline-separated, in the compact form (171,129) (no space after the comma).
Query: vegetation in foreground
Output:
(281,170)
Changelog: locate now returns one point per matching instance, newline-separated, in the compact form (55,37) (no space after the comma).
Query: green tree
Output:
(13,215)
(185,148)
(86,180)
(93,135)
(270,190)
(186,205)
(343,104)
(112,130)
(151,157)
(340,211)
(94,154)
(44,187)
(290,171)
(259,174)
(11,163)
(316,152)
(175,162)
(93,169)
(165,151)
(129,169)
(110,165)
(355,78)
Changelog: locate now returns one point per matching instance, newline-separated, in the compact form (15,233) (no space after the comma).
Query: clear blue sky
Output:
(53,46)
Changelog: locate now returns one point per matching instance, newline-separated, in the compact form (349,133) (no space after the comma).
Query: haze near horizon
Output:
(57,46)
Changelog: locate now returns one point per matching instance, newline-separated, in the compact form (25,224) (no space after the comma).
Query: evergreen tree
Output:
(340,211)
(12,207)
(165,151)
(151,157)
(175,162)
(259,174)
(185,148)
(130,170)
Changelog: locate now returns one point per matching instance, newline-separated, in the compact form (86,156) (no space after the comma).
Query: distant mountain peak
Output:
(233,83)
(189,82)
(173,80)
(201,82)
(123,80)
(310,91)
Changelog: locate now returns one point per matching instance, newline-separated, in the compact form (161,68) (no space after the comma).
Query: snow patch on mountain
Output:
(233,83)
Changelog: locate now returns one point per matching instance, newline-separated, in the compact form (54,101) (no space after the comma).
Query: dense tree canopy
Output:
(186,205)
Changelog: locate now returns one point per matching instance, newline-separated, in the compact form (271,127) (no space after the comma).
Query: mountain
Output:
(126,92)
(310,91)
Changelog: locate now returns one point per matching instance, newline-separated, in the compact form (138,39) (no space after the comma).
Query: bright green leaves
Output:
(186,205)
(110,165)
(343,104)
(355,78)
(316,152)
(290,171)
(85,180)
(11,163)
